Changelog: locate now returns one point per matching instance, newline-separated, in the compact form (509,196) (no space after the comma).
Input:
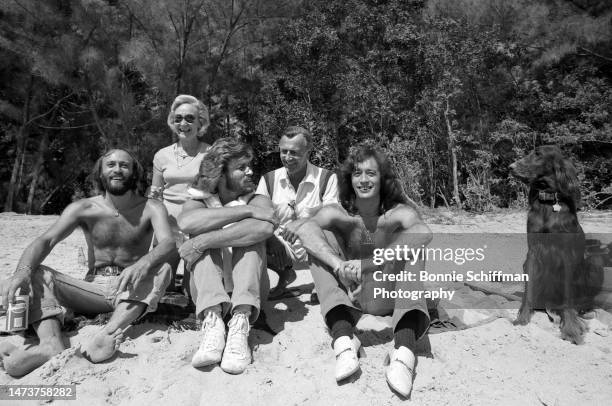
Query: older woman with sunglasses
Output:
(175,166)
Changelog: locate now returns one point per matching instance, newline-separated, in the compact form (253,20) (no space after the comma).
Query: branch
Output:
(144,29)
(28,11)
(240,48)
(228,37)
(176,30)
(605,58)
(56,105)
(66,128)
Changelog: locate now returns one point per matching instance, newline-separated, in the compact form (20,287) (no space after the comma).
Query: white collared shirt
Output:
(290,204)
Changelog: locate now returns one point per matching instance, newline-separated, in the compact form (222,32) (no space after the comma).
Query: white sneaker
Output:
(212,345)
(347,362)
(400,371)
(237,354)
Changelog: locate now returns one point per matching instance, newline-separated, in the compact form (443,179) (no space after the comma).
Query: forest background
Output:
(453,90)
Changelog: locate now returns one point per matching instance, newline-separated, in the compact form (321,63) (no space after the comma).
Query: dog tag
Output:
(556,207)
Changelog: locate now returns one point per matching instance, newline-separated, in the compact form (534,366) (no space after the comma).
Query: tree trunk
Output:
(432,182)
(94,114)
(51,194)
(455,177)
(453,153)
(21,142)
(40,160)
(21,165)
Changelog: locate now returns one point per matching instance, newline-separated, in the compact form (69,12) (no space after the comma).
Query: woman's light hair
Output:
(203,115)
(215,161)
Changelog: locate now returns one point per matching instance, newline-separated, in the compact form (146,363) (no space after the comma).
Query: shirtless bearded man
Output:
(124,276)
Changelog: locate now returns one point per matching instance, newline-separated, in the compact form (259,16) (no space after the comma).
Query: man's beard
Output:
(239,187)
(118,190)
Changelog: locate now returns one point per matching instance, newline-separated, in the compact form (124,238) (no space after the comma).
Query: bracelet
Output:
(22,268)
(336,271)
(155,192)
(196,249)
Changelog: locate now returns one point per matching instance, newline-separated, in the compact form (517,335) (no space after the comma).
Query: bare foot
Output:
(20,361)
(103,345)
(6,349)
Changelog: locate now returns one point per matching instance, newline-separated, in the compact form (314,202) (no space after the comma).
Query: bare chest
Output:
(117,232)
(365,236)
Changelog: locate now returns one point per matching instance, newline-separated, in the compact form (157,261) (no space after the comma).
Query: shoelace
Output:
(211,339)
(238,334)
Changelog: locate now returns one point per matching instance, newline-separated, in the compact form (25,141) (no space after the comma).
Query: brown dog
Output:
(558,272)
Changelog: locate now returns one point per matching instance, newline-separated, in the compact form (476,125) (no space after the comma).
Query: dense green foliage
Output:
(454,90)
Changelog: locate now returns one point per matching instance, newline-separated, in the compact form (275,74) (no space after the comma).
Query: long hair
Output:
(203,116)
(390,189)
(215,160)
(137,182)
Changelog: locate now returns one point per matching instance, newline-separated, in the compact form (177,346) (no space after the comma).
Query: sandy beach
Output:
(492,362)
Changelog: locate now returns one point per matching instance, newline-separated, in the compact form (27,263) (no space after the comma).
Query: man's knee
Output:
(334,241)
(257,250)
(164,269)
(164,275)
(43,275)
(208,258)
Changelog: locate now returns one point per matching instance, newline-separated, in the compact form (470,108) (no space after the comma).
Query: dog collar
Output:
(545,197)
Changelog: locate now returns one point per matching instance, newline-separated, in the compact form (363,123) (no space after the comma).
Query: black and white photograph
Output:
(287,202)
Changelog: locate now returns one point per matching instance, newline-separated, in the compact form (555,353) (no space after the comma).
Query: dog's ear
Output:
(567,179)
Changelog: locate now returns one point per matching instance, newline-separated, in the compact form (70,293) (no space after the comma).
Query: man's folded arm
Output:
(410,231)
(196,218)
(242,233)
(313,239)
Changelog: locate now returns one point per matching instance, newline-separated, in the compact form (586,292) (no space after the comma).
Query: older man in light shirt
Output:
(297,190)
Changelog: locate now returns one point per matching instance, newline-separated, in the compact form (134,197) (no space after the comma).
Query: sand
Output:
(492,363)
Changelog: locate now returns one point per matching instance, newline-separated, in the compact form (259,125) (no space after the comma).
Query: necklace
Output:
(116,210)
(182,155)
(131,205)
(366,234)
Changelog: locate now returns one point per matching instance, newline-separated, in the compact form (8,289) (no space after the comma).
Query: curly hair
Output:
(215,161)
(137,182)
(390,190)
(203,115)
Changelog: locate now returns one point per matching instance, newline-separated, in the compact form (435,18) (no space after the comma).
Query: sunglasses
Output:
(190,118)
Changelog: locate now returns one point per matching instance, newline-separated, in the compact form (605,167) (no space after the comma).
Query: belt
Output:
(108,270)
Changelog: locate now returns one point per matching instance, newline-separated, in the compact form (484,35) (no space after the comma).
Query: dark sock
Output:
(340,323)
(405,332)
